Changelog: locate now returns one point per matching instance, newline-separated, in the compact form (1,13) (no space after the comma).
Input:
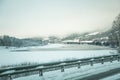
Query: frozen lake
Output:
(8,57)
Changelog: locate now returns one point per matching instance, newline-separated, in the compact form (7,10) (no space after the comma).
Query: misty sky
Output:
(25,18)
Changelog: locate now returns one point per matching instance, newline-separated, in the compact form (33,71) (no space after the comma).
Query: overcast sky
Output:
(28,18)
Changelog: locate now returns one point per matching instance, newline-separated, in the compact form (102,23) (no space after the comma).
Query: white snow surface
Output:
(114,77)
(7,57)
(94,33)
(50,46)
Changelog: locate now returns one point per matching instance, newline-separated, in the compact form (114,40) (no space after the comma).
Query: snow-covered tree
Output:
(115,33)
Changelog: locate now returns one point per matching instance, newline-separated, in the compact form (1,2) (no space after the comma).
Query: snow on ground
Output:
(58,47)
(114,77)
(94,33)
(47,46)
(7,57)
(85,47)
(50,46)
(74,73)
(53,46)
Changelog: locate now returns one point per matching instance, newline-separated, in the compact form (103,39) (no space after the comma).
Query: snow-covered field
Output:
(8,56)
(36,54)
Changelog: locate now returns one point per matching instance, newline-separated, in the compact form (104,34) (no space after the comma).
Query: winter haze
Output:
(25,18)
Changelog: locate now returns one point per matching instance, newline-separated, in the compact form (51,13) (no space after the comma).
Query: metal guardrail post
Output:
(118,58)
(40,73)
(111,59)
(79,65)
(10,77)
(102,61)
(62,69)
(91,62)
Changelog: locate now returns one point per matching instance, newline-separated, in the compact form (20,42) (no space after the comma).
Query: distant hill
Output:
(88,35)
(16,42)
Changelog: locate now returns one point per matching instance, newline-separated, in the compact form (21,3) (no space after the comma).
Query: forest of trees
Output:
(15,42)
(114,35)
(10,41)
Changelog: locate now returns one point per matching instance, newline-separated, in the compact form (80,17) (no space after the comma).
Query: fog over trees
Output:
(16,42)
(10,41)
(115,33)
(113,36)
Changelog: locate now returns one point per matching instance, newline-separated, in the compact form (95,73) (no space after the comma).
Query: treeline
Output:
(10,41)
(108,38)
(16,42)
(114,35)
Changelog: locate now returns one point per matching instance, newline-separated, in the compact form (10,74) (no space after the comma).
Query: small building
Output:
(75,41)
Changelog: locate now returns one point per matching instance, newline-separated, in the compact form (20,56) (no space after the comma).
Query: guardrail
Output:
(15,72)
